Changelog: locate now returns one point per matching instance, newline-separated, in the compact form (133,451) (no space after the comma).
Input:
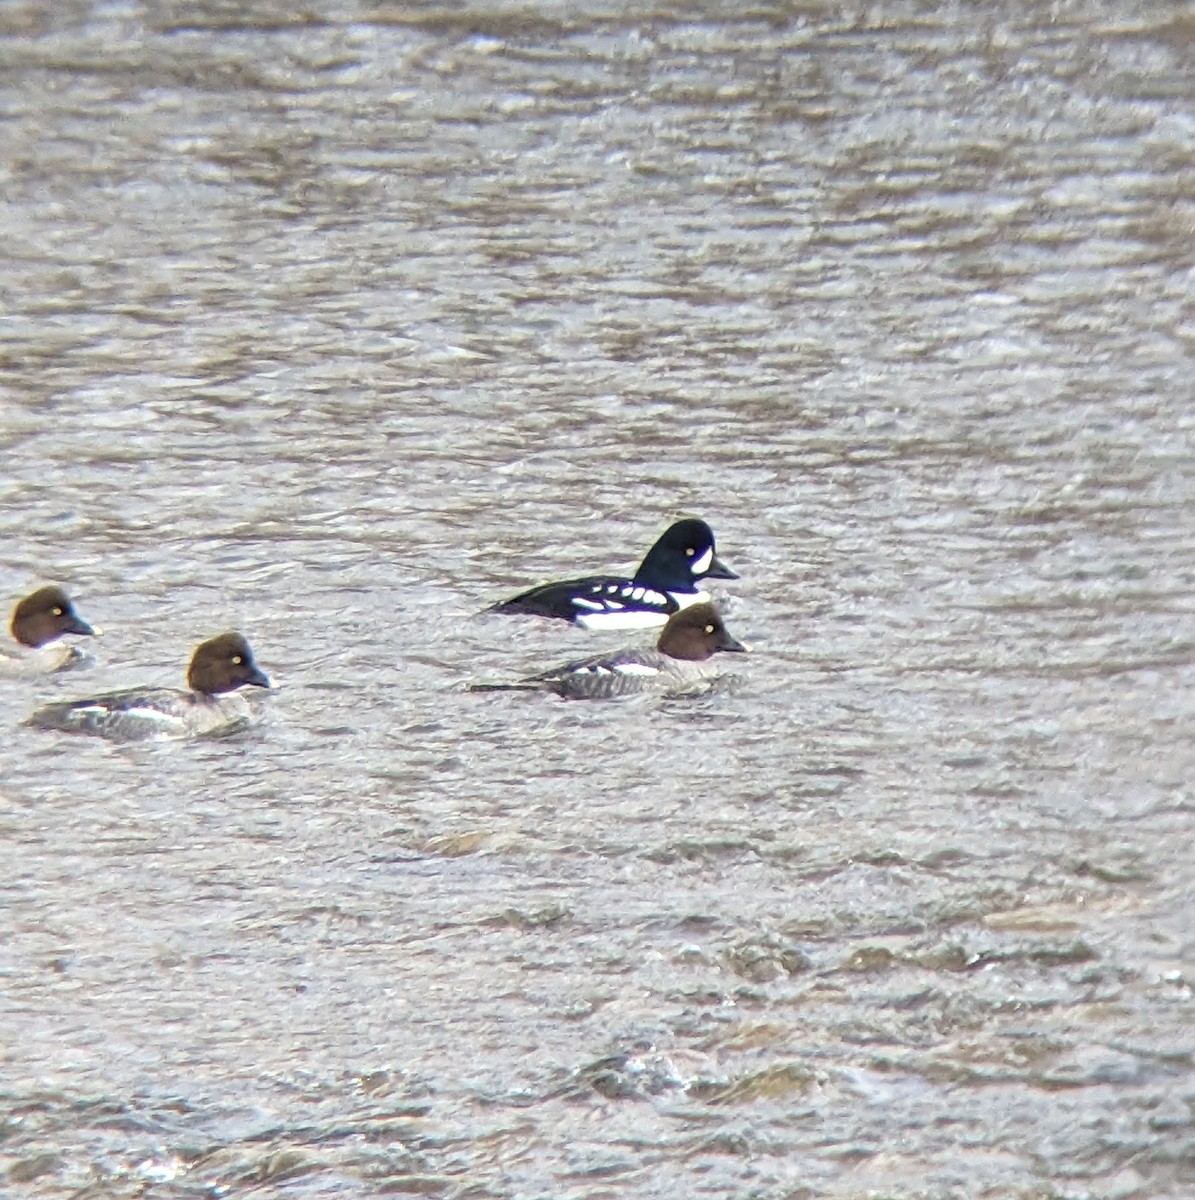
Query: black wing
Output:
(575,599)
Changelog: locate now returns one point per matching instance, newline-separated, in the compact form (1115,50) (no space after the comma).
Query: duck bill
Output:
(719,570)
(729,643)
(76,624)
(258,678)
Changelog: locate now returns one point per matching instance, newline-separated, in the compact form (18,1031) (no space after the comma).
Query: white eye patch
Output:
(702,564)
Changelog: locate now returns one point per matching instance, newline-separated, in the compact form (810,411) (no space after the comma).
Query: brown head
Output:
(45,615)
(223,664)
(695,633)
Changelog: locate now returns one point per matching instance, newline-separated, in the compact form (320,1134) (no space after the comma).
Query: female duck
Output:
(38,621)
(218,667)
(679,663)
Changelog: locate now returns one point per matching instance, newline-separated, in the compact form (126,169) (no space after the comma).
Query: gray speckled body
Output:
(142,714)
(629,673)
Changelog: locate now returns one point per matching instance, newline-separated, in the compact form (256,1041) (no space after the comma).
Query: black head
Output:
(684,554)
(223,664)
(695,633)
(45,615)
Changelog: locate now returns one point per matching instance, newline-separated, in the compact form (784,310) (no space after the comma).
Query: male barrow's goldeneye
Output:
(678,664)
(218,666)
(665,582)
(38,621)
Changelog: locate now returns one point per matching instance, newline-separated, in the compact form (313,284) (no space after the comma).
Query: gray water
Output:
(335,325)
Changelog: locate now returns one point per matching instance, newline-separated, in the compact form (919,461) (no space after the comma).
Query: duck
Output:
(678,664)
(666,582)
(38,621)
(218,667)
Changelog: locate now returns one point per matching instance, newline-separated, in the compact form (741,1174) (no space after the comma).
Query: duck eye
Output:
(709,629)
(691,551)
(236,660)
(57,612)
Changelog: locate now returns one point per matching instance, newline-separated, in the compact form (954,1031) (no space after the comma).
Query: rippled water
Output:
(336,327)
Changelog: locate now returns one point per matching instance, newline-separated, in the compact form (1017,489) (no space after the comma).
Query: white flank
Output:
(684,599)
(156,717)
(627,619)
(592,605)
(634,668)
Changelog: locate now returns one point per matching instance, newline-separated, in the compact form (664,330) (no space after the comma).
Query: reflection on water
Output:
(336,327)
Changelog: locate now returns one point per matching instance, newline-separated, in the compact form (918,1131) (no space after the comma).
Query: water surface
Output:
(336,327)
